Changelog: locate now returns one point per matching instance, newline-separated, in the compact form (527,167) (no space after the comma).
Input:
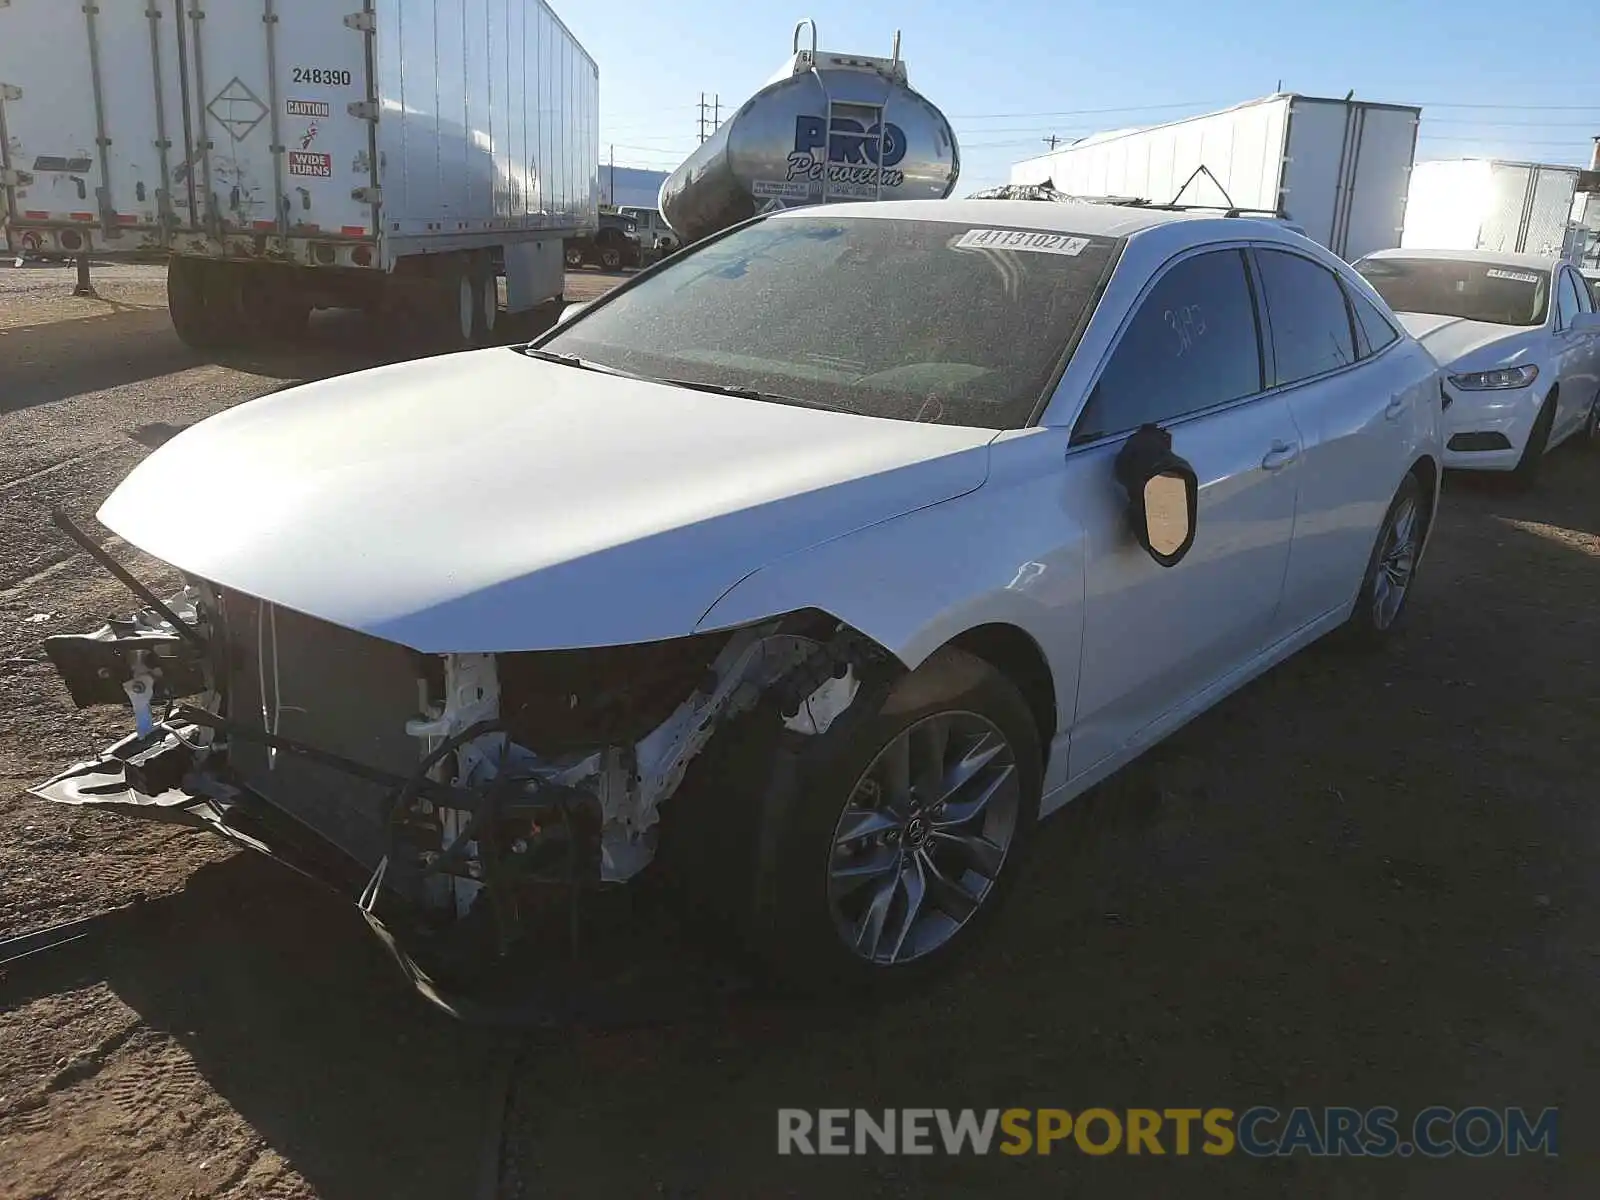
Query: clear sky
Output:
(1498,79)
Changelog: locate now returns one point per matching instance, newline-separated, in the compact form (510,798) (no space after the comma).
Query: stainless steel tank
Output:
(827,127)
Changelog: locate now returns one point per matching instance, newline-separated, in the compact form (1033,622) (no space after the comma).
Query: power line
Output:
(1078,112)
(1510,141)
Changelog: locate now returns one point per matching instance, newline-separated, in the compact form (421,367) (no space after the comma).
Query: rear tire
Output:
(1526,473)
(1591,426)
(488,311)
(188,303)
(1392,568)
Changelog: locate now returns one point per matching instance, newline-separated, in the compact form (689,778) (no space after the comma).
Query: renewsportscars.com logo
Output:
(1434,1132)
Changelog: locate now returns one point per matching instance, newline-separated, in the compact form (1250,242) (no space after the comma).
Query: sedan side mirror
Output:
(1585,322)
(571,311)
(1163,494)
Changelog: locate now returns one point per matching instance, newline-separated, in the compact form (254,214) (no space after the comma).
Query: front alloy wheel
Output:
(923,837)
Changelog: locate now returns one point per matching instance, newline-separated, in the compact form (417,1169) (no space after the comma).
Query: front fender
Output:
(1007,553)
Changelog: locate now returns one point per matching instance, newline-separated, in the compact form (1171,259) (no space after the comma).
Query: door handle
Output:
(1280,456)
(1396,406)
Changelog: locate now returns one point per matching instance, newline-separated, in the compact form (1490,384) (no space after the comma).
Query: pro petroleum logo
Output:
(1259,1132)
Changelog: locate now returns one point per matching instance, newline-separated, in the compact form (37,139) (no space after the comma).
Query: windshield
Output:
(915,320)
(1476,291)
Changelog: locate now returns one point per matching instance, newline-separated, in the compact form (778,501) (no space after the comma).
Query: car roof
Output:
(1092,220)
(1494,258)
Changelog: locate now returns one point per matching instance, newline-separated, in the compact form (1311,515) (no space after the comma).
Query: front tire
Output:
(906,838)
(1526,473)
(1392,569)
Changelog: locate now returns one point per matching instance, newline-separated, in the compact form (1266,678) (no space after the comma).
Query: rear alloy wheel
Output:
(908,834)
(611,258)
(574,258)
(1392,569)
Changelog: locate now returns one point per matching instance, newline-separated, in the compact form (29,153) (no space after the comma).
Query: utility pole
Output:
(1052,139)
(612,199)
(708,125)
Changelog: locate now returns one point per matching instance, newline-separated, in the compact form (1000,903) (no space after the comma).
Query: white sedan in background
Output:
(1519,338)
(823,559)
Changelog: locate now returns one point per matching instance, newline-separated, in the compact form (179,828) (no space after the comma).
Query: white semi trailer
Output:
(392,155)
(1494,204)
(1338,169)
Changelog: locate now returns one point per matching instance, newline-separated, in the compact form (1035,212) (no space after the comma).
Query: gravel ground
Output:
(1359,881)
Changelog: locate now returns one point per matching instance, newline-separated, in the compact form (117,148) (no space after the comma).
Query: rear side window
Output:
(1372,327)
(1192,344)
(1311,330)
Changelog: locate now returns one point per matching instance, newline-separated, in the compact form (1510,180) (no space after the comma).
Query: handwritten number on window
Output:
(1188,325)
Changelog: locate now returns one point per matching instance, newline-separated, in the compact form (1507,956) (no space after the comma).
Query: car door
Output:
(1352,401)
(1189,358)
(1576,352)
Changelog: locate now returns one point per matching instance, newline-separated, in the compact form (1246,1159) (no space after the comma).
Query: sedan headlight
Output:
(1493,381)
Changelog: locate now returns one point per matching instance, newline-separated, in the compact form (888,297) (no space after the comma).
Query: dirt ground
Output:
(1359,881)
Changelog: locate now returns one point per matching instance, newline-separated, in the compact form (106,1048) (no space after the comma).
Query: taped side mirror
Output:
(1163,494)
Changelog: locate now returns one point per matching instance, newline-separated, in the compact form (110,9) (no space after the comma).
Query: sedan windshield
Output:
(915,320)
(1476,291)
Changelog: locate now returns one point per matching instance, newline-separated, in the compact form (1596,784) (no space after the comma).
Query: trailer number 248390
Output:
(322,75)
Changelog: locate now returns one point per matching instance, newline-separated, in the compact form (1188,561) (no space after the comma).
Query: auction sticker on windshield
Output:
(1019,239)
(1514,276)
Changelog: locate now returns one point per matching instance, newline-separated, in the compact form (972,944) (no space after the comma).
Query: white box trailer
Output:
(1494,204)
(392,154)
(1339,169)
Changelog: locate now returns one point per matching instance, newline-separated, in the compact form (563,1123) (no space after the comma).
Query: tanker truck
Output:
(826,127)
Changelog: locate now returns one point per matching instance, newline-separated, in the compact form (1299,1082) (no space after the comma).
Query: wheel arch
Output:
(1017,655)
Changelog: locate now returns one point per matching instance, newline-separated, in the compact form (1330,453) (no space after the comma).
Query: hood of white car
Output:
(491,502)
(1451,339)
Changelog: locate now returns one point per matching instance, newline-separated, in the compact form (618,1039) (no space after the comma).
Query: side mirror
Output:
(1163,494)
(1586,322)
(571,311)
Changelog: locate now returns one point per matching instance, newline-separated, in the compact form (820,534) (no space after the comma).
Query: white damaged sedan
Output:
(810,569)
(1519,339)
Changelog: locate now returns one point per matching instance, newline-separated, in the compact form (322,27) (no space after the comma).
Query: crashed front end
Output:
(452,796)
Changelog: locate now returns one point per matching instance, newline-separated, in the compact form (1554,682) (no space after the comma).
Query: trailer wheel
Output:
(268,310)
(188,303)
(488,311)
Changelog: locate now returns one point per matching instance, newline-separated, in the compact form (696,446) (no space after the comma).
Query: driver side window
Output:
(1192,344)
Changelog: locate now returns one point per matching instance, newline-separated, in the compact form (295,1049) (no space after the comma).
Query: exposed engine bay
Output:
(452,784)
